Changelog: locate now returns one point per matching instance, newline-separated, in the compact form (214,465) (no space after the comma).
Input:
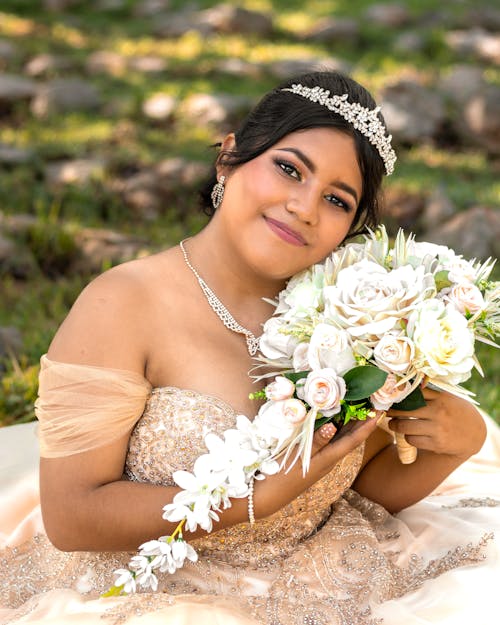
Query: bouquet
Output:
(364,329)
(357,333)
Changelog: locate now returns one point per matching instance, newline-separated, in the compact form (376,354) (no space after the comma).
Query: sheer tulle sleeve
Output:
(82,407)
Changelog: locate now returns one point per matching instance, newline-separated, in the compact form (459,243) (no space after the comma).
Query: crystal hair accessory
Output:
(363,119)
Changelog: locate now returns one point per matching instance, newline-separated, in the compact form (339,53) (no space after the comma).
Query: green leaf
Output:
(441,280)
(414,400)
(296,376)
(363,381)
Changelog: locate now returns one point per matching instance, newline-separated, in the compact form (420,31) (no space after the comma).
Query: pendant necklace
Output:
(220,310)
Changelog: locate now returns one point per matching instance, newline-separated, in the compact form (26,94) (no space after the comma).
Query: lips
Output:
(284,232)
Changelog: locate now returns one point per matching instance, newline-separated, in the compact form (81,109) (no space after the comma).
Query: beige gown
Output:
(330,557)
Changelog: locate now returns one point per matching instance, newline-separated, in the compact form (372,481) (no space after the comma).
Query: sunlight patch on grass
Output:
(15,26)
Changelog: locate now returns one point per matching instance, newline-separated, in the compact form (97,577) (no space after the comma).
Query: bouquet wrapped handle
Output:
(407,453)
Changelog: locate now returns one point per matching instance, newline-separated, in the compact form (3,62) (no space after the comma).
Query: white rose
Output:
(465,296)
(330,348)
(389,393)
(323,389)
(303,294)
(275,344)
(369,301)
(461,270)
(281,388)
(444,344)
(300,359)
(394,354)
(277,420)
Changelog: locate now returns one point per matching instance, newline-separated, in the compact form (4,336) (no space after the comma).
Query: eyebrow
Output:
(312,167)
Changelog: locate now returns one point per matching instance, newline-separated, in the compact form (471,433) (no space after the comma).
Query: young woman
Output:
(156,352)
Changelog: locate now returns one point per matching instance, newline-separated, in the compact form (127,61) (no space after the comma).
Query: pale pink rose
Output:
(389,393)
(324,390)
(294,411)
(466,297)
(281,388)
(394,354)
(330,348)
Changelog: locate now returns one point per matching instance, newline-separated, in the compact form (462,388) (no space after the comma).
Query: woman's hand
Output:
(446,425)
(278,490)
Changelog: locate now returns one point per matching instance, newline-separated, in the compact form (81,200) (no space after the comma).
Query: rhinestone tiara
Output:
(363,119)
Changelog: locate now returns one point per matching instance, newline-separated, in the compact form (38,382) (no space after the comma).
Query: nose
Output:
(304,207)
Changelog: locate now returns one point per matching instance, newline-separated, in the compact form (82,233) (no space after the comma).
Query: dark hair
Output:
(280,113)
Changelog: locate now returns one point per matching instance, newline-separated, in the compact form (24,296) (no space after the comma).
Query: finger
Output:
(415,427)
(421,442)
(322,437)
(430,393)
(348,439)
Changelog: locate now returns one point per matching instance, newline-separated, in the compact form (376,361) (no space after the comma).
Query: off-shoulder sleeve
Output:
(82,407)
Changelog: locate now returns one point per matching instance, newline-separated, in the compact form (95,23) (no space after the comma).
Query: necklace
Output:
(220,310)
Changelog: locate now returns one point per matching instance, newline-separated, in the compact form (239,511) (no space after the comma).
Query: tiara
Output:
(363,119)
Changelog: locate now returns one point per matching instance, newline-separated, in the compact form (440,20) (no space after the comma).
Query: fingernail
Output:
(328,430)
(382,416)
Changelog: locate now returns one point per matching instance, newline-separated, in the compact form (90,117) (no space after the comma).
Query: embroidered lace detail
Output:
(474,502)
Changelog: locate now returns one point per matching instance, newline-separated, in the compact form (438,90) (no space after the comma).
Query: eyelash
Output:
(285,167)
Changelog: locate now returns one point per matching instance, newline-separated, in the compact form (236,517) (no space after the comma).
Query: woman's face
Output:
(291,206)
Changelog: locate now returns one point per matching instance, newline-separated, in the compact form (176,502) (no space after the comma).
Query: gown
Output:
(330,557)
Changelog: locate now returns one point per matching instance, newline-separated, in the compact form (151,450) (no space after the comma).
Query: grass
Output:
(127,142)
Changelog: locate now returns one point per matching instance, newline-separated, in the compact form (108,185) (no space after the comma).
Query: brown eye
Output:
(288,169)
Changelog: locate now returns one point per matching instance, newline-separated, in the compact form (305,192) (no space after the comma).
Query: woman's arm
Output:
(447,431)
(86,504)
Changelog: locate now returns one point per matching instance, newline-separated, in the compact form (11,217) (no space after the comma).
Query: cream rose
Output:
(330,347)
(369,301)
(278,419)
(300,359)
(281,388)
(275,344)
(465,296)
(444,344)
(389,393)
(323,389)
(394,354)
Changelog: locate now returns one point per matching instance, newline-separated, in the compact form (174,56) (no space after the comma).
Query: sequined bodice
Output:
(170,436)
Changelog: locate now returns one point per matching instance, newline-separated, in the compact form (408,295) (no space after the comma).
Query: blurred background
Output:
(108,109)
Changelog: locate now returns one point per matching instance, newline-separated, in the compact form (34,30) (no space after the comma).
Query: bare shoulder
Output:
(108,323)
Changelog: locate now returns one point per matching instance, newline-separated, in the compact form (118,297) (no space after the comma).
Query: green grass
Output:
(126,141)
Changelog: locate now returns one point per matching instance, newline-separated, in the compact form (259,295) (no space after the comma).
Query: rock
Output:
(15,88)
(401,209)
(228,18)
(11,342)
(438,208)
(178,172)
(217,109)
(476,42)
(15,260)
(7,51)
(238,67)
(333,30)
(106,62)
(150,8)
(475,233)
(282,70)
(78,171)
(17,224)
(59,5)
(388,15)
(44,64)
(487,17)
(98,248)
(412,113)
(148,64)
(141,192)
(462,82)
(11,155)
(175,25)
(410,42)
(65,96)
(482,118)
(159,106)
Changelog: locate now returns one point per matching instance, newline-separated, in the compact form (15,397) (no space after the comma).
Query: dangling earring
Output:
(218,192)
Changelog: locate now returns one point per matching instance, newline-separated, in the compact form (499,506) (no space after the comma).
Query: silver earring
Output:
(218,192)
